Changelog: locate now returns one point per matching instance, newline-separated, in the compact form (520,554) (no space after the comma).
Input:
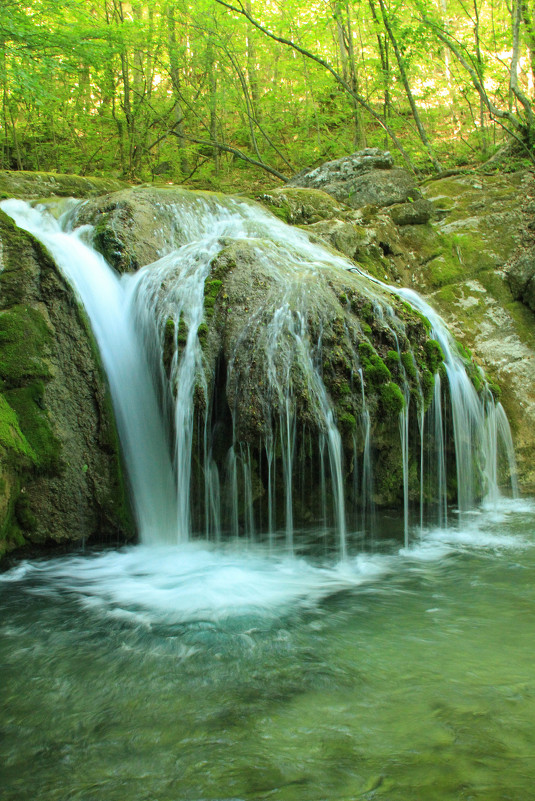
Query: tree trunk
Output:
(174,72)
(403,74)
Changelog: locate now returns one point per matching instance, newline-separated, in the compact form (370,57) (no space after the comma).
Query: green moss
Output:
(24,515)
(377,372)
(427,383)
(182,333)
(211,291)
(202,333)
(168,344)
(494,388)
(367,313)
(407,359)
(35,425)
(347,422)
(392,399)
(24,335)
(465,352)
(11,437)
(366,351)
(343,389)
(434,354)
(282,212)
(366,329)
(477,380)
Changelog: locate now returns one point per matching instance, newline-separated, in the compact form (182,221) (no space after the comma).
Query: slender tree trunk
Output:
(529,25)
(252,71)
(213,106)
(174,72)
(404,78)
(349,67)
(515,89)
(382,42)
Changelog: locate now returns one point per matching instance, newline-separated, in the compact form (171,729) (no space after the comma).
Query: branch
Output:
(325,64)
(235,152)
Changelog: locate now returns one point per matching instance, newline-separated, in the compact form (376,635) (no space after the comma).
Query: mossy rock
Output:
(59,453)
(299,206)
(36,185)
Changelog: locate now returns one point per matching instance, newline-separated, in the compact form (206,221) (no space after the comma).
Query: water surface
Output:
(195,673)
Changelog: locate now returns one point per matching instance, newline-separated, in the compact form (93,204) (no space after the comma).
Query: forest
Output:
(229,94)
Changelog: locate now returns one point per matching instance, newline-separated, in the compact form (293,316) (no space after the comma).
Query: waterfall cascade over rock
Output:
(266,388)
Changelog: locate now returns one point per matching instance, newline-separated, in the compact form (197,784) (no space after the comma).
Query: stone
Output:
(364,178)
(301,206)
(419,212)
(344,169)
(521,278)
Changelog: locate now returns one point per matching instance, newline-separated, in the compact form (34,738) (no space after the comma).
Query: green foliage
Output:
(141,89)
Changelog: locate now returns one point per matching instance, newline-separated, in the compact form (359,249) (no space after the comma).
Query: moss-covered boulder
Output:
(471,256)
(289,345)
(60,473)
(34,185)
(299,205)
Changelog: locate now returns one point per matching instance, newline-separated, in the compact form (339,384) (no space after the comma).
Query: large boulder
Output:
(364,178)
(59,454)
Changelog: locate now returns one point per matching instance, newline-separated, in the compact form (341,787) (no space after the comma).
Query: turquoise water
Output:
(194,673)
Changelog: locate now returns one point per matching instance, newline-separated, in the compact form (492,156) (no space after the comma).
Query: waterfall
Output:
(479,424)
(108,303)
(193,467)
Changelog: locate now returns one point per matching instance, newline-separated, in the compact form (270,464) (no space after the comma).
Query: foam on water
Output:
(200,582)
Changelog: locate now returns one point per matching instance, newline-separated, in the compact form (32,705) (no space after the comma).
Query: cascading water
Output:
(107,302)
(242,447)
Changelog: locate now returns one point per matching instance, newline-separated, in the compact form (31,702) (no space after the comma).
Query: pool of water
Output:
(195,673)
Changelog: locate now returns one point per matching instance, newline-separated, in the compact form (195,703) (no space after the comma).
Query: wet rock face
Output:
(131,228)
(59,456)
(477,275)
(364,178)
(283,350)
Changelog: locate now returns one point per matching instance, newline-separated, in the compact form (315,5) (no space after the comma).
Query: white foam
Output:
(198,582)
(195,582)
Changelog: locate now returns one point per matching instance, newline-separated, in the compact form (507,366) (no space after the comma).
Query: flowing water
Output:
(182,670)
(193,673)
